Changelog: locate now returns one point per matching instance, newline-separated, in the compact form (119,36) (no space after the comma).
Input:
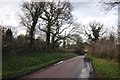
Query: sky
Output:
(86,12)
(83,11)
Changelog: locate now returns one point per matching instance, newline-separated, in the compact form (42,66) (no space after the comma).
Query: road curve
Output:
(71,68)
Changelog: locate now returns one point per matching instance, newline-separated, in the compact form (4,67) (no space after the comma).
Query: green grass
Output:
(19,65)
(105,68)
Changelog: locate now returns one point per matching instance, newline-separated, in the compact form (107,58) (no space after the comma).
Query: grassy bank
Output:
(105,68)
(19,65)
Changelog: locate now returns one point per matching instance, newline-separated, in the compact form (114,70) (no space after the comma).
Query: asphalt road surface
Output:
(71,68)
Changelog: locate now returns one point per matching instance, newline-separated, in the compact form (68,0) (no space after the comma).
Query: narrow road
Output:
(71,68)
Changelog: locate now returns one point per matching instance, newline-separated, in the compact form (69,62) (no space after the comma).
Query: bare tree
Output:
(57,35)
(54,16)
(73,30)
(95,32)
(110,4)
(29,19)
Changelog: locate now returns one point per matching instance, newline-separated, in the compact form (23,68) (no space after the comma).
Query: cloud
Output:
(89,11)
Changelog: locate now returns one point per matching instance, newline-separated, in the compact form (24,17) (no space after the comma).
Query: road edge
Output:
(93,73)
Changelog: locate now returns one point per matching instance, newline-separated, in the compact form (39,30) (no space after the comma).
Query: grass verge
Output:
(105,68)
(19,65)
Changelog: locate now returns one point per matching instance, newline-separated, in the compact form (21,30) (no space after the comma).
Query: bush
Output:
(104,48)
(6,50)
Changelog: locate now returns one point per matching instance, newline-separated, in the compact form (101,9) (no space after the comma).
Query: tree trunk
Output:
(31,39)
(48,38)
(64,44)
(48,35)
(32,34)
(53,42)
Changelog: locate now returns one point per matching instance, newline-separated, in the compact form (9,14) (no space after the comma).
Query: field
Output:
(18,65)
(105,68)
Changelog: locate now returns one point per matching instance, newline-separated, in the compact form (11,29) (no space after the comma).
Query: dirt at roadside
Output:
(93,74)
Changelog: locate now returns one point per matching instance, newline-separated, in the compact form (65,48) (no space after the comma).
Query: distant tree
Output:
(3,32)
(95,31)
(8,35)
(7,41)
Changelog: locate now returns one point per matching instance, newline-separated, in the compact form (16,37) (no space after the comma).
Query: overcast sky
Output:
(83,11)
